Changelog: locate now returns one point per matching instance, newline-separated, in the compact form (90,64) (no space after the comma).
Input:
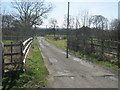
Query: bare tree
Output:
(7,21)
(114,29)
(77,23)
(84,15)
(64,25)
(72,23)
(99,21)
(31,13)
(53,23)
(7,25)
(114,24)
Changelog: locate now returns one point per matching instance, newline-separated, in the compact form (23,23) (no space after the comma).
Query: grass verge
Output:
(36,73)
(8,41)
(58,43)
(62,43)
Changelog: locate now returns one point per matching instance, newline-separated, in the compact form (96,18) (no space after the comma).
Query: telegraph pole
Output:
(67,30)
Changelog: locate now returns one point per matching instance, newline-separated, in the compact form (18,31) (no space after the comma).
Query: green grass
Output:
(36,73)
(62,43)
(52,36)
(8,41)
(97,60)
(58,43)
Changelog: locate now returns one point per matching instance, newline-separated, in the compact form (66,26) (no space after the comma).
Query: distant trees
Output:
(73,22)
(7,21)
(64,25)
(114,28)
(7,25)
(114,24)
(84,16)
(76,22)
(78,25)
(97,25)
(53,23)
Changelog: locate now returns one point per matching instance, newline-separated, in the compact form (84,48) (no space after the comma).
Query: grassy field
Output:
(36,73)
(62,44)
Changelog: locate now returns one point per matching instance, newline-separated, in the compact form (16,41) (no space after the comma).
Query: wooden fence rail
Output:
(103,47)
(23,47)
(94,45)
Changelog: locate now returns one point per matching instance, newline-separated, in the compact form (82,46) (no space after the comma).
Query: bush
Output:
(56,38)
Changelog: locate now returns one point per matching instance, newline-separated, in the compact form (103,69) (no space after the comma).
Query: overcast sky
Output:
(107,8)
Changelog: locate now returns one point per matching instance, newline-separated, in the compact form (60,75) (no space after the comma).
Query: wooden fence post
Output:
(102,47)
(11,51)
(84,46)
(2,60)
(118,54)
(92,45)
(21,52)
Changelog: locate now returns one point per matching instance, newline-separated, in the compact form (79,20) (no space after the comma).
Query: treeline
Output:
(50,31)
(16,32)
(22,24)
(84,32)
